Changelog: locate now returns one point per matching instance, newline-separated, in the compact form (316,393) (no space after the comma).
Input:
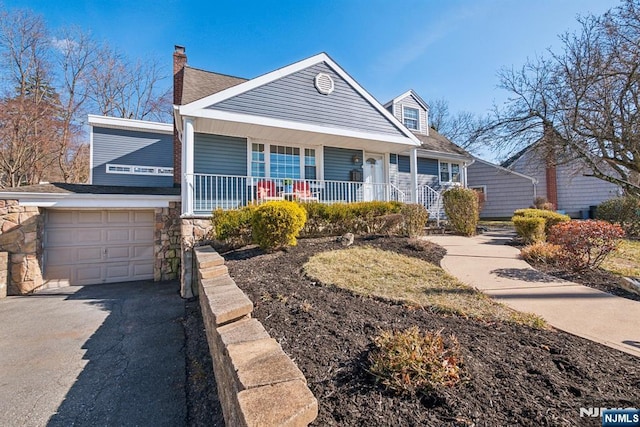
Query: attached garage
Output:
(87,247)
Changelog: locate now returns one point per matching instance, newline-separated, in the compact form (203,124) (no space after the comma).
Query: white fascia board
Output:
(120,123)
(532,179)
(94,201)
(410,92)
(196,108)
(286,124)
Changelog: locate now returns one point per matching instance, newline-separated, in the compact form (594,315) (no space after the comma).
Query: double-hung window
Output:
(449,172)
(410,117)
(282,161)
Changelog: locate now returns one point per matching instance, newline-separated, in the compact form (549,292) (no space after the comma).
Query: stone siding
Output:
(195,232)
(258,384)
(21,230)
(167,243)
(4,273)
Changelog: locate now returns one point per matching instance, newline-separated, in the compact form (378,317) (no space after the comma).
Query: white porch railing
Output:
(432,201)
(210,192)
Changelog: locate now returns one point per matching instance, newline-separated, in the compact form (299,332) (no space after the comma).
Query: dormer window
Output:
(410,118)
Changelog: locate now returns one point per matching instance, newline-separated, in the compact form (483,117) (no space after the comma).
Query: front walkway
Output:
(486,263)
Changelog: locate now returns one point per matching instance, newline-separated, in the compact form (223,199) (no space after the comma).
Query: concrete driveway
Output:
(93,355)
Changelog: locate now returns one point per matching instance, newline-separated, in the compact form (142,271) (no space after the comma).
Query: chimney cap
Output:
(179,49)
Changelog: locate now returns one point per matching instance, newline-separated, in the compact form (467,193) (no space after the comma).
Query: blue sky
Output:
(442,49)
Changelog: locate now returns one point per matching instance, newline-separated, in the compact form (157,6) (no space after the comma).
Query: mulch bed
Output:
(513,375)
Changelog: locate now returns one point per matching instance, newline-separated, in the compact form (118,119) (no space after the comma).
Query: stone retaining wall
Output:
(194,232)
(258,384)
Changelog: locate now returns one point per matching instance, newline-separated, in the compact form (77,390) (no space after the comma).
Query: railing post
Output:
(188,187)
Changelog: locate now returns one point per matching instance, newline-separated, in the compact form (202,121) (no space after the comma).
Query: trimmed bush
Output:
(276,224)
(543,203)
(462,210)
(541,252)
(624,211)
(530,228)
(410,362)
(585,244)
(551,218)
(233,227)
(358,218)
(415,217)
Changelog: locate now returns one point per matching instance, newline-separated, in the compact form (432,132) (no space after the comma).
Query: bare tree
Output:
(584,98)
(459,127)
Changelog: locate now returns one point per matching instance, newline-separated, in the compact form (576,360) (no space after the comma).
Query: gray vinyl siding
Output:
(127,147)
(220,155)
(505,191)
(576,192)
(411,102)
(338,163)
(295,98)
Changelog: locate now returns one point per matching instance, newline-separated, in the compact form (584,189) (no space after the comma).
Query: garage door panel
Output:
(89,254)
(143,234)
(92,247)
(143,217)
(143,252)
(118,235)
(89,217)
(88,273)
(115,252)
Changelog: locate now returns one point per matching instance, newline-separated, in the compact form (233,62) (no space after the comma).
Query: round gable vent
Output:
(324,83)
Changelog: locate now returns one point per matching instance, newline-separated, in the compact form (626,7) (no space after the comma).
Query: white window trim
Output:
(450,181)
(131,170)
(484,190)
(267,157)
(418,128)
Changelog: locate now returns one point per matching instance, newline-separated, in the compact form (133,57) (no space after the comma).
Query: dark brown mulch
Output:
(203,406)
(514,375)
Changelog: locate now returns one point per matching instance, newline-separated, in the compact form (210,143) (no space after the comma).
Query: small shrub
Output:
(462,210)
(541,252)
(551,218)
(276,224)
(409,361)
(530,228)
(233,227)
(543,203)
(415,218)
(585,244)
(624,211)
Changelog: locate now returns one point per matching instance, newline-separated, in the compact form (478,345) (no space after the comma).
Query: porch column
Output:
(413,158)
(187,166)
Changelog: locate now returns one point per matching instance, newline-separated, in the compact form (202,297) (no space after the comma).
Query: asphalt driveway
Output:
(93,355)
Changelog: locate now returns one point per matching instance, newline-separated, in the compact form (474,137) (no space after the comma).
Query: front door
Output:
(373,176)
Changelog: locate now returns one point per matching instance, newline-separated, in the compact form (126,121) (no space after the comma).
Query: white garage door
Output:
(84,247)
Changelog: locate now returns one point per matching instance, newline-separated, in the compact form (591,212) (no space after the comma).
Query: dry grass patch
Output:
(625,261)
(389,275)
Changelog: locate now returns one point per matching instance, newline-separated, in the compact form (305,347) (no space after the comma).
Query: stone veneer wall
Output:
(21,230)
(194,232)
(258,384)
(4,273)
(167,243)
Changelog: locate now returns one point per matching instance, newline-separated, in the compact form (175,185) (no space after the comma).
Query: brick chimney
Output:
(179,61)
(550,138)
(552,184)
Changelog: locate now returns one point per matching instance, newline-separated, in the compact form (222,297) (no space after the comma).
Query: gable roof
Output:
(198,84)
(199,108)
(410,92)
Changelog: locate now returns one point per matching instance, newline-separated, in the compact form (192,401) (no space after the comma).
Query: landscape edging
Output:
(258,384)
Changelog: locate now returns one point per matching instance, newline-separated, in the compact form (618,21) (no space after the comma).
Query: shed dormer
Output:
(411,110)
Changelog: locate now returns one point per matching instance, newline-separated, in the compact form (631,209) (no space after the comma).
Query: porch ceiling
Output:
(300,134)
